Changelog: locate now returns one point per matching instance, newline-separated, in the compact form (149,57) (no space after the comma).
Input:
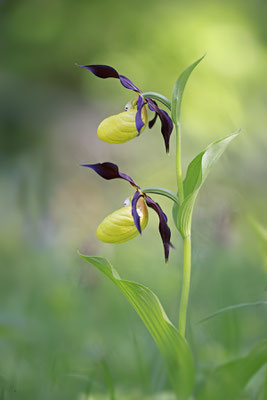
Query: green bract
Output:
(178,90)
(197,172)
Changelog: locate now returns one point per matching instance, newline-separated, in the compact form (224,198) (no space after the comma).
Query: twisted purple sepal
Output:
(164,229)
(108,170)
(166,122)
(138,117)
(105,71)
(135,214)
(153,120)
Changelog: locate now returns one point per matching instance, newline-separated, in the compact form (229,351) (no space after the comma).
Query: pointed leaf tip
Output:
(178,90)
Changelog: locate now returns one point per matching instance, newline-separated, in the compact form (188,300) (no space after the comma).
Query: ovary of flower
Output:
(120,128)
(119,226)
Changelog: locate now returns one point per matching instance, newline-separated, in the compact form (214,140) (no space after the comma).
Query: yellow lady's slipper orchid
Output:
(119,226)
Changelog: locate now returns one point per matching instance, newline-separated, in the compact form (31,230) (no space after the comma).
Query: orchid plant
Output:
(129,221)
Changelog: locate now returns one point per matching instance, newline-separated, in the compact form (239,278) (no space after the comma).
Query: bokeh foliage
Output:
(64,331)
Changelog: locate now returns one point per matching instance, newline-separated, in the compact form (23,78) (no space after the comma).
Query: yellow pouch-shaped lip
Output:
(119,226)
(121,127)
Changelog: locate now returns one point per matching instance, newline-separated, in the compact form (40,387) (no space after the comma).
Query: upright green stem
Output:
(185,285)
(186,240)
(179,163)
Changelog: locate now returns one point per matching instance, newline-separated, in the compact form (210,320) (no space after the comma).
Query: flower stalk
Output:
(159,97)
(185,284)
(186,241)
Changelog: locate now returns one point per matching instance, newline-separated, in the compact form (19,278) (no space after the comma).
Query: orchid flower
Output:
(127,125)
(125,223)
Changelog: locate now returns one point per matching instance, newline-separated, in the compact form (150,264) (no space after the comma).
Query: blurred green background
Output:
(66,332)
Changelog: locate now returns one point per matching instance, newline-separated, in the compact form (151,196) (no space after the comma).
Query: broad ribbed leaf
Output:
(172,346)
(178,91)
(197,172)
(229,380)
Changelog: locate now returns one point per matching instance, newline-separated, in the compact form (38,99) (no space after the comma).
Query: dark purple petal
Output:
(102,71)
(135,214)
(138,117)
(105,71)
(164,230)
(166,122)
(108,170)
(153,121)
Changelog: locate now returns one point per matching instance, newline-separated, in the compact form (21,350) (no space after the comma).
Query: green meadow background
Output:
(65,331)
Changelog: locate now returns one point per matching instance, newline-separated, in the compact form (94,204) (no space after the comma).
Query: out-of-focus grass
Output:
(59,319)
(163,396)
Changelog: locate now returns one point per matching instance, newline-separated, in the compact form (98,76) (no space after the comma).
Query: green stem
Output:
(185,285)
(186,240)
(159,97)
(179,163)
(162,192)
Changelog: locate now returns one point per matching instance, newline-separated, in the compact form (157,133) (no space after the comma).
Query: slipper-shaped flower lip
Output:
(105,71)
(119,227)
(108,171)
(122,127)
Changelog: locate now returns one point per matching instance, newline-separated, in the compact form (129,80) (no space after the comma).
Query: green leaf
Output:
(229,380)
(197,172)
(162,192)
(232,308)
(260,230)
(175,210)
(178,90)
(108,379)
(261,236)
(172,346)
